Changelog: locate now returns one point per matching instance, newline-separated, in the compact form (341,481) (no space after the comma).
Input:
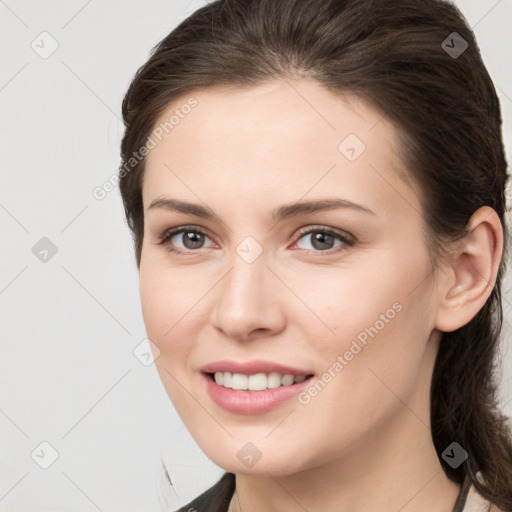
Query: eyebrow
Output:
(278,215)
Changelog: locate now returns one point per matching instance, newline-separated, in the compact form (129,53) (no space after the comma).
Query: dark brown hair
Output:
(446,113)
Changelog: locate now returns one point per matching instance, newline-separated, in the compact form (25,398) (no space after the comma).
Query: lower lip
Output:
(252,402)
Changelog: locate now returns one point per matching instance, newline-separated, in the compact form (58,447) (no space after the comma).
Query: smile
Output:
(256,382)
(251,401)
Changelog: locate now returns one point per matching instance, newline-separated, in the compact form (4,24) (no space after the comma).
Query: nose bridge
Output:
(245,286)
(247,296)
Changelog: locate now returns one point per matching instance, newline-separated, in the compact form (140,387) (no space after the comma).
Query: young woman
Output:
(316,191)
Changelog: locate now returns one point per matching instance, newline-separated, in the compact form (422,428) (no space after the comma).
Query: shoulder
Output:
(214,499)
(475,502)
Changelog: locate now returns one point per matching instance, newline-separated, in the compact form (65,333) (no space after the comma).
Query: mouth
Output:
(244,394)
(256,382)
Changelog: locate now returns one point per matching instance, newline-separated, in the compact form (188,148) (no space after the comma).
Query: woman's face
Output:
(262,278)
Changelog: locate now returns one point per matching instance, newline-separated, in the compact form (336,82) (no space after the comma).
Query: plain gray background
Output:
(75,384)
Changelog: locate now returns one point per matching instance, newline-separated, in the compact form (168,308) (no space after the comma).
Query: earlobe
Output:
(472,272)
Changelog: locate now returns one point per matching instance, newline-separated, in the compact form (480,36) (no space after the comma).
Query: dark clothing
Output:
(223,490)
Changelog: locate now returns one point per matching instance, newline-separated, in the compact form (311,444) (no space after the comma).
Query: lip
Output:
(253,367)
(252,402)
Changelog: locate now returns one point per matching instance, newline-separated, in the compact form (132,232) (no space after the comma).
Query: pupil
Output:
(192,239)
(321,239)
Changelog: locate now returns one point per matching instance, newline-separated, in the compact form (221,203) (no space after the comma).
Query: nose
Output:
(249,301)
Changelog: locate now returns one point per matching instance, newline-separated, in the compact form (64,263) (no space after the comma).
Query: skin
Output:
(363,442)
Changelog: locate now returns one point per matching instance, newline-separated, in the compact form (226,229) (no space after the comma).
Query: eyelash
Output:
(347,240)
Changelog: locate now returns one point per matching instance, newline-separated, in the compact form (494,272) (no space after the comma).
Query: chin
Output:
(276,464)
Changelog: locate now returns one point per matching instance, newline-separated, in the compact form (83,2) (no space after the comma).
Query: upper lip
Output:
(253,367)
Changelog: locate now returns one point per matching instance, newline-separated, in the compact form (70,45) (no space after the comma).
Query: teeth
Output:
(257,382)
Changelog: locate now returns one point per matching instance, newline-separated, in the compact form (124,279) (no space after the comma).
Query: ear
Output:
(471,271)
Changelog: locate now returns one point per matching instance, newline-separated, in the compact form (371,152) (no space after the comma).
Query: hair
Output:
(446,114)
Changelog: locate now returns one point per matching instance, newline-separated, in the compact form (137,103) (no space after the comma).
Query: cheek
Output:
(338,303)
(168,297)
(154,297)
(176,307)
(369,370)
(164,310)
(168,326)
(370,328)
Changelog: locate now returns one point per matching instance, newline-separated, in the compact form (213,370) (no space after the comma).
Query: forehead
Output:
(293,135)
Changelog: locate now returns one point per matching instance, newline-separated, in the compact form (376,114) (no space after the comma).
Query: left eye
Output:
(323,239)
